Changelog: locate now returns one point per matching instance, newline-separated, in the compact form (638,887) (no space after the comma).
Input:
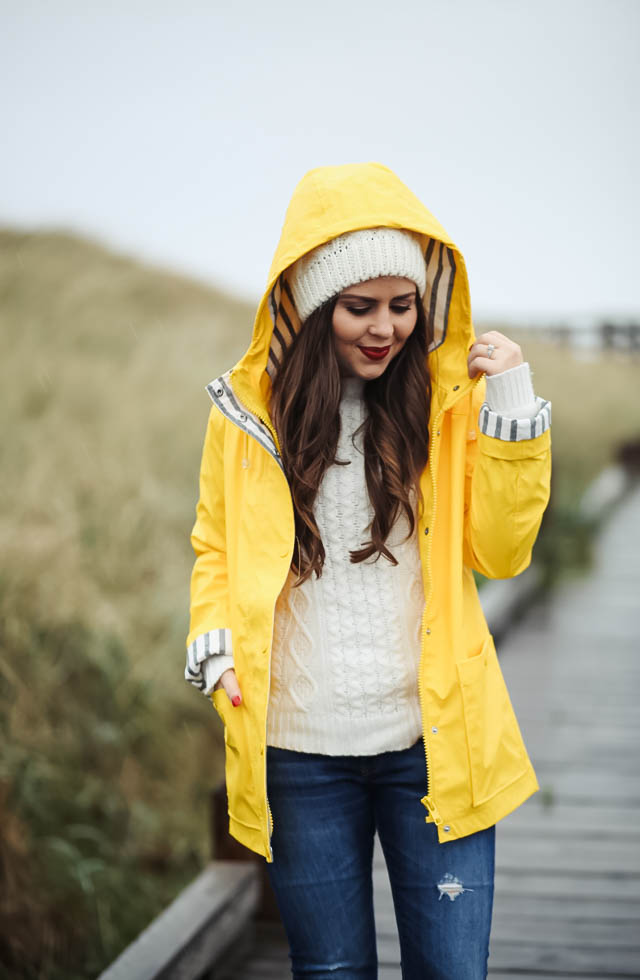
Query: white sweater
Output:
(346,646)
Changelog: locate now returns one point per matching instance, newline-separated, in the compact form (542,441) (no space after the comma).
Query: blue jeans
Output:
(326,810)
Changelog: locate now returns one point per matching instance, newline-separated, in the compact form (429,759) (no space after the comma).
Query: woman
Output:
(365,455)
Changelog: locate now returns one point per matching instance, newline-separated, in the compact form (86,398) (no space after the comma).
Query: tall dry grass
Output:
(109,754)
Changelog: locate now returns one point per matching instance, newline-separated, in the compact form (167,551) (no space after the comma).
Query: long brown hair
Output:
(304,405)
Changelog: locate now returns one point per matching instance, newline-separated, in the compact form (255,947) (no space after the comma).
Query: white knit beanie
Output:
(356,256)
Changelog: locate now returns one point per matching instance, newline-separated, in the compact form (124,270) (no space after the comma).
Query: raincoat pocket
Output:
(216,697)
(220,700)
(222,704)
(497,754)
(242,776)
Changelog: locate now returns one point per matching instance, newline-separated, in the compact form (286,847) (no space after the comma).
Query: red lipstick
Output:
(375,353)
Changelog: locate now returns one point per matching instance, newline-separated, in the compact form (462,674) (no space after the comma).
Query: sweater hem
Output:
(371,739)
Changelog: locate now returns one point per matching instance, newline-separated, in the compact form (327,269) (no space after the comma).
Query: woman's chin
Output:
(366,369)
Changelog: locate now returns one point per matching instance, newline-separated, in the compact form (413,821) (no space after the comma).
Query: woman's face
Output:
(371,323)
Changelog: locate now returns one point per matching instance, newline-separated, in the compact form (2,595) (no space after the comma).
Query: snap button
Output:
(438,432)
(446,827)
(243,417)
(426,530)
(217,391)
(455,387)
(434,729)
(428,630)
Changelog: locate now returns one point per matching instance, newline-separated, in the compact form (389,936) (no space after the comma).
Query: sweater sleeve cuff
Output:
(213,668)
(510,393)
(214,643)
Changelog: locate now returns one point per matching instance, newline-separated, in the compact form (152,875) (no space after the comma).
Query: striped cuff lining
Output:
(515,430)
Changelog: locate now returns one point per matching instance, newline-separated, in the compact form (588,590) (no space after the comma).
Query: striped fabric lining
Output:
(515,430)
(285,320)
(223,397)
(441,270)
(206,645)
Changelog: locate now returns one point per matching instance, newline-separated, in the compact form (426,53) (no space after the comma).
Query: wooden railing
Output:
(596,336)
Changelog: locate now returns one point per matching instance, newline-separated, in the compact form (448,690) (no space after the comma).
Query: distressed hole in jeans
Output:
(451,886)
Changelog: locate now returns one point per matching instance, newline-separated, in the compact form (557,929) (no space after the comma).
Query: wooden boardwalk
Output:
(567,898)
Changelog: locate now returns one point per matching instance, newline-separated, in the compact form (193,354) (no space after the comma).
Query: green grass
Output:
(109,755)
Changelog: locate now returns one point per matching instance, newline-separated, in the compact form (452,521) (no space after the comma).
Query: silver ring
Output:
(490,350)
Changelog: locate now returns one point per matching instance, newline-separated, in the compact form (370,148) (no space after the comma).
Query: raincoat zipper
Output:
(269,814)
(428,800)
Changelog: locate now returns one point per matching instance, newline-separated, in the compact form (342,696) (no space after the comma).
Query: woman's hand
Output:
(229,682)
(507,354)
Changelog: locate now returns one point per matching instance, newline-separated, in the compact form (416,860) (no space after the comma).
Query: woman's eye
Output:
(361,310)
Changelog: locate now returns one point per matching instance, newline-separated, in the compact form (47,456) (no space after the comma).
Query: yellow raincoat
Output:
(485,488)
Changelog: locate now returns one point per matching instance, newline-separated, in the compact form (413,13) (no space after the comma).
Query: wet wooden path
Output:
(567,899)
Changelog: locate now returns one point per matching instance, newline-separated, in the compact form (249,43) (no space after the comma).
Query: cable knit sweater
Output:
(346,647)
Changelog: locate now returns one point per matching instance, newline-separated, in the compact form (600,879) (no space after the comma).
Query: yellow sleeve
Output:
(507,487)
(209,630)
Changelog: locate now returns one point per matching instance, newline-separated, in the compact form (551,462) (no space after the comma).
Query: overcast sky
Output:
(177,132)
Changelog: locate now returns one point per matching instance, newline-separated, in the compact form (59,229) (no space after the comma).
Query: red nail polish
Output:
(235,701)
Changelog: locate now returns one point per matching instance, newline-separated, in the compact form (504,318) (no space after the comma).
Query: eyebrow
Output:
(372,299)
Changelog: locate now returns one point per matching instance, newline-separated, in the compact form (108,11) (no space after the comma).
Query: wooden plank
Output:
(562,930)
(611,886)
(569,856)
(595,962)
(527,975)
(612,754)
(569,819)
(583,785)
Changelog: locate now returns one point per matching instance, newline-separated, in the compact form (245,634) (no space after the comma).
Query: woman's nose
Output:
(382,325)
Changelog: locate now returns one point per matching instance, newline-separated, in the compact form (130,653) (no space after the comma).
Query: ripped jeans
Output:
(326,810)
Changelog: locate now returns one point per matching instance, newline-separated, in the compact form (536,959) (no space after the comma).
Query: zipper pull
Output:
(433,811)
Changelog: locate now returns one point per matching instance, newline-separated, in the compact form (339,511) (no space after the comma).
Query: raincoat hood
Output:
(329,201)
